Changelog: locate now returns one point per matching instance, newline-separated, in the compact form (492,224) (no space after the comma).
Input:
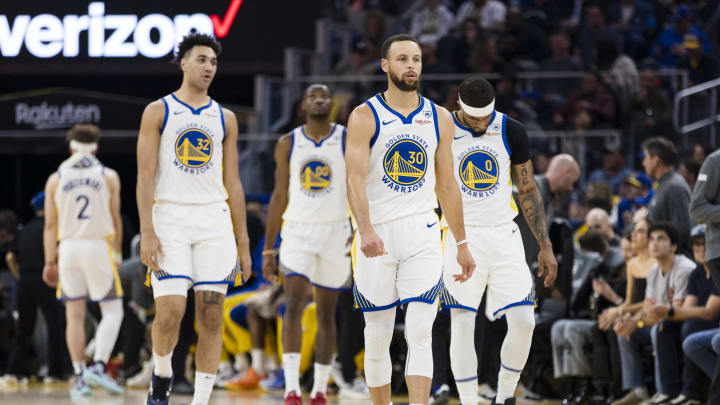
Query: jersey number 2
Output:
(85,201)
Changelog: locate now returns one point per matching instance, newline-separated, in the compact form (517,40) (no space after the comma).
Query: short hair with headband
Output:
(476,92)
(84,133)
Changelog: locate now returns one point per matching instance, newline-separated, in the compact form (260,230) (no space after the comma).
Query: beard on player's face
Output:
(319,115)
(402,84)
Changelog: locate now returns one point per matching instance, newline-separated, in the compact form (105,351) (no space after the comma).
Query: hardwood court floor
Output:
(58,394)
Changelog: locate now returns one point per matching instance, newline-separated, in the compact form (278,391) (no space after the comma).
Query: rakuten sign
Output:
(46,35)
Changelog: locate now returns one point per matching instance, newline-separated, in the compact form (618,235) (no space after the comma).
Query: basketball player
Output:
(488,148)
(398,160)
(310,196)
(191,237)
(82,212)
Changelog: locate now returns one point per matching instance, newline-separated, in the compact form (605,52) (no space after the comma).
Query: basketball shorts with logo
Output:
(411,270)
(501,270)
(318,252)
(198,248)
(86,269)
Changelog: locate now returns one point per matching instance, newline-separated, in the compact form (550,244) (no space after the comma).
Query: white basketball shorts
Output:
(87,270)
(198,248)
(412,269)
(318,252)
(500,258)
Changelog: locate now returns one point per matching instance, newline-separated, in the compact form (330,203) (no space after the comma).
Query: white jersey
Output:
(401,174)
(82,199)
(189,169)
(482,170)
(316,189)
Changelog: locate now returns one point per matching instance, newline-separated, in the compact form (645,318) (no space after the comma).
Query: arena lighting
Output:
(47,35)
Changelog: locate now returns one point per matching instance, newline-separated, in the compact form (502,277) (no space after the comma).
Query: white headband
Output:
(85,148)
(477,112)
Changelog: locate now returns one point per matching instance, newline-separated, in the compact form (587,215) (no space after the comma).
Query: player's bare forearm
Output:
(361,128)
(238,212)
(278,204)
(145,192)
(450,201)
(231,180)
(531,202)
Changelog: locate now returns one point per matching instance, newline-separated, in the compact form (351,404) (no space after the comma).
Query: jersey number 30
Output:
(84,201)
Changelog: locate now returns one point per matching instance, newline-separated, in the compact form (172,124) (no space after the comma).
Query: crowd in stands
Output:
(634,315)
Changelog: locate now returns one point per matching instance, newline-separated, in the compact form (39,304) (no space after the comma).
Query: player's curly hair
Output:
(196,39)
(476,92)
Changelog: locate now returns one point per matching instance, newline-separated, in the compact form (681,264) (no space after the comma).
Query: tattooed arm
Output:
(531,203)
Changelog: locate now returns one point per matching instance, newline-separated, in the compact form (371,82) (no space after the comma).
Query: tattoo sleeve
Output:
(530,201)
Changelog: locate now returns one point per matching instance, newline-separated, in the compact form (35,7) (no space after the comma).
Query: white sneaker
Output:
(225,373)
(524,393)
(142,379)
(486,393)
(658,397)
(357,390)
(683,400)
(336,374)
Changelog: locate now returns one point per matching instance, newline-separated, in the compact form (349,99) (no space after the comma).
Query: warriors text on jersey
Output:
(401,174)
(317,191)
(190,157)
(82,199)
(482,169)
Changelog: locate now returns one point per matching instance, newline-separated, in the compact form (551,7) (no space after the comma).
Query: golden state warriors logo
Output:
(405,163)
(193,148)
(478,172)
(315,176)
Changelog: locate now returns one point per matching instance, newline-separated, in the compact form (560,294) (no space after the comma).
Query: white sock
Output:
(163,364)
(258,360)
(322,373)
(291,366)
(203,388)
(468,392)
(79,367)
(515,349)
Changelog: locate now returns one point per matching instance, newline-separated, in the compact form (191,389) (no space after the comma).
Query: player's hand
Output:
(466,262)
(372,245)
(269,267)
(243,250)
(547,265)
(50,274)
(150,250)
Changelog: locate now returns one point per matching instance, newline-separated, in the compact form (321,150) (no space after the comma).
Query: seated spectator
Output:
(623,78)
(614,171)
(523,44)
(700,65)
(484,57)
(590,107)
(456,50)
(703,348)
(635,21)
(669,47)
(490,14)
(432,22)
(700,152)
(635,193)
(651,109)
(555,91)
(598,220)
(689,169)
(699,312)
(435,90)
(667,284)
(593,29)
(374,33)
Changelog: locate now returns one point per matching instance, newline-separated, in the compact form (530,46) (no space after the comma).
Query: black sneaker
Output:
(441,395)
(509,401)
(159,390)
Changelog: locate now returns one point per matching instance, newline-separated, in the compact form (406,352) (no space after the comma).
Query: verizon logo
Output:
(47,35)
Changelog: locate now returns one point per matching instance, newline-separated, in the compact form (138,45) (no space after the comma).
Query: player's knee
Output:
(168,319)
(378,366)
(210,318)
(462,318)
(325,317)
(521,318)
(112,311)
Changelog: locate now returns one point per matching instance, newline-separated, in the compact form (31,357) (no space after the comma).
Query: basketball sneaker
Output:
(509,401)
(159,390)
(247,381)
(97,376)
(274,382)
(319,399)
(357,390)
(80,388)
(293,399)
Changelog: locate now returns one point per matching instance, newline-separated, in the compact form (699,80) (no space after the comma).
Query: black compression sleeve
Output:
(517,139)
